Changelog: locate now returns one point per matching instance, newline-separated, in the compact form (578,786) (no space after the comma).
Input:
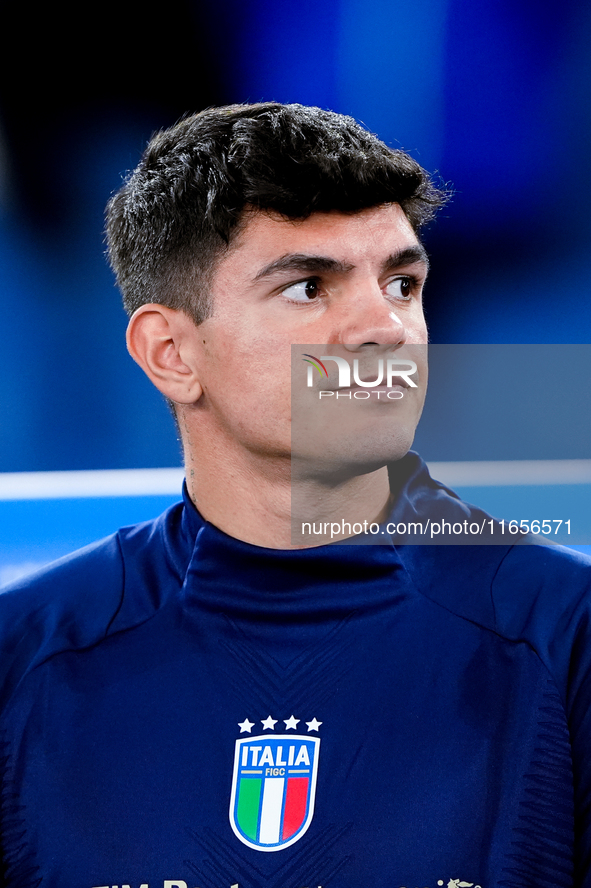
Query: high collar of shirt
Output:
(413,495)
(241,577)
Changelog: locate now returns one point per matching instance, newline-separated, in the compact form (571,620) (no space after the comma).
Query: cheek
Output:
(229,356)
(417,330)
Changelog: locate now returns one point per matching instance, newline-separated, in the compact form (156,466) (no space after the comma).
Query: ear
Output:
(163,342)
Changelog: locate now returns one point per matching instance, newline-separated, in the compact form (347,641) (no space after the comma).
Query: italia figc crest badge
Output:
(274,784)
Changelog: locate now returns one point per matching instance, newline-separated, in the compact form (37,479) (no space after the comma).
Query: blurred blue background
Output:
(491,95)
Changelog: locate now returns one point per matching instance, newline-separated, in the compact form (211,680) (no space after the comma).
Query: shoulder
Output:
(524,591)
(76,602)
(542,594)
(537,594)
(66,605)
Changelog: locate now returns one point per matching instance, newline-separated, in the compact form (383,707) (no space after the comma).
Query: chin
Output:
(340,464)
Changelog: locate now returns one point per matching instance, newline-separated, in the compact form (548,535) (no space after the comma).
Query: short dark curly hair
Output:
(179,209)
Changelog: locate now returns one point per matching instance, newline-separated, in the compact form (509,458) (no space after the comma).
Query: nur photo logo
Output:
(392,376)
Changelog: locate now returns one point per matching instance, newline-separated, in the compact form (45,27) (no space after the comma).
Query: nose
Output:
(369,319)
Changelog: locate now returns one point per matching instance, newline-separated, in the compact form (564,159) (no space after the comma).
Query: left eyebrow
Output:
(408,256)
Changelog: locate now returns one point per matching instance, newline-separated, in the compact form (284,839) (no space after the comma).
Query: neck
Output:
(264,502)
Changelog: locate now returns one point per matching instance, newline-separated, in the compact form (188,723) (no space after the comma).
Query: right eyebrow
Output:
(303,263)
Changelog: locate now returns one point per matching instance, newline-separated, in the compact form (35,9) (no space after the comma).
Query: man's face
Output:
(351,284)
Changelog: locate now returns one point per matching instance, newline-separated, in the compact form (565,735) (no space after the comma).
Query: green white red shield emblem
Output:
(273,789)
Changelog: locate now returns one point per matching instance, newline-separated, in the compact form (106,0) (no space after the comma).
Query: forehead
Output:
(358,239)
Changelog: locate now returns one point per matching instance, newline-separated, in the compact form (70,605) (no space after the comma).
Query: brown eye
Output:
(400,288)
(303,291)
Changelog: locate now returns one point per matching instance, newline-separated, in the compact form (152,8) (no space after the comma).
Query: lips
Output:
(402,383)
(382,387)
(377,390)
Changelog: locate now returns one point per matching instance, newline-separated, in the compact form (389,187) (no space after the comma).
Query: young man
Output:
(202,701)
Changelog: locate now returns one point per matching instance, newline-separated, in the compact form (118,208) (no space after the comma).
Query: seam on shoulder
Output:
(523,640)
(492,597)
(123,578)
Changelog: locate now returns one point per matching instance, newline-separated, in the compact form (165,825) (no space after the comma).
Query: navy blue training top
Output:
(180,709)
